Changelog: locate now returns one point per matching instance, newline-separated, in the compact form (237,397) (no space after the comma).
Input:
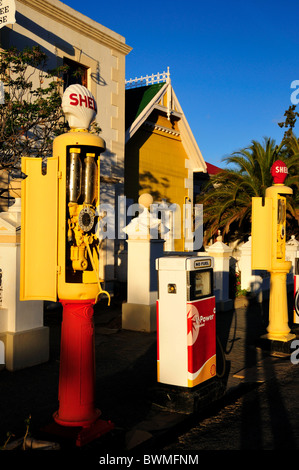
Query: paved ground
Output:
(260,409)
(126,387)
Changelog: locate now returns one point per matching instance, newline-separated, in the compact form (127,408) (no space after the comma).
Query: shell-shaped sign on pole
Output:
(279,172)
(79,106)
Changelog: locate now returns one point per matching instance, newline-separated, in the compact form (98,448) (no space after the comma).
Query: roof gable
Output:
(142,101)
(137,99)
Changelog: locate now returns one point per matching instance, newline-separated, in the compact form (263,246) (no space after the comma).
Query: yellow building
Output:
(161,154)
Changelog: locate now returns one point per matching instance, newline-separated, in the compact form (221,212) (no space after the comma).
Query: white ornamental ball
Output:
(146,200)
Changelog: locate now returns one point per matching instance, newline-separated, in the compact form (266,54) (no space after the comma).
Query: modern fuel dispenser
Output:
(186,320)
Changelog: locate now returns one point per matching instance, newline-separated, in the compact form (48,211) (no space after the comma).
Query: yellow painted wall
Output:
(155,164)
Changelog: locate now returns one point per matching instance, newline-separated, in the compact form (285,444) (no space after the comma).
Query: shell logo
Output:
(193,324)
(79,106)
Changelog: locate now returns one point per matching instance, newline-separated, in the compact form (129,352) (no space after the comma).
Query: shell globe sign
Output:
(79,106)
(279,172)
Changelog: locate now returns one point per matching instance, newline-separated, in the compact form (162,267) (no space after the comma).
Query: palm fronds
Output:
(227,197)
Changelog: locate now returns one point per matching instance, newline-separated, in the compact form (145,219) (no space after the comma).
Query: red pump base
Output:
(77,374)
(79,435)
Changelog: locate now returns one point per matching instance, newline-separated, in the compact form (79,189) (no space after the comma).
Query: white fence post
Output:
(292,246)
(25,337)
(221,254)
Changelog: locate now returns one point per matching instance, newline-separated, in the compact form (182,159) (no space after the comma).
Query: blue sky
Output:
(231,62)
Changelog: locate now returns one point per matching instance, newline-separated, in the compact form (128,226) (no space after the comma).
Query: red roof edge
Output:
(212,169)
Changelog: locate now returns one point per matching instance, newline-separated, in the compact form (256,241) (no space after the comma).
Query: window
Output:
(75,73)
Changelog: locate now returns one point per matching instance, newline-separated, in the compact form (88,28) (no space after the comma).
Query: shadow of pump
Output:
(239,332)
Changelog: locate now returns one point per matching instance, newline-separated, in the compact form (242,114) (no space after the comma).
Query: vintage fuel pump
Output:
(186,320)
(268,249)
(60,253)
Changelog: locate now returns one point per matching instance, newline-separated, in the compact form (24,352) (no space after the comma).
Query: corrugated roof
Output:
(137,99)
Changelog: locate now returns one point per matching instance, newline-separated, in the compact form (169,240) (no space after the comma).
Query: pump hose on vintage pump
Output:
(101,291)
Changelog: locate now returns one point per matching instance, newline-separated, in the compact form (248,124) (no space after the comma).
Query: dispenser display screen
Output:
(201,284)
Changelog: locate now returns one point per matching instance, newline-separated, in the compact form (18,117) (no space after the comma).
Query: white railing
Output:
(148,79)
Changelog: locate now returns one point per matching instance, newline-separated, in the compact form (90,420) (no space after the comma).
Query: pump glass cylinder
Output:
(75,175)
(90,177)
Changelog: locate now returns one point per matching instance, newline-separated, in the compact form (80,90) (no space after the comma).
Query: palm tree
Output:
(292,150)
(227,197)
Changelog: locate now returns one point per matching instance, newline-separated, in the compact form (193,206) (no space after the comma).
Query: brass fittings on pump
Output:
(81,216)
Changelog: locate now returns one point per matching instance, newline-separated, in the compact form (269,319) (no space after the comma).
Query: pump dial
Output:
(86,219)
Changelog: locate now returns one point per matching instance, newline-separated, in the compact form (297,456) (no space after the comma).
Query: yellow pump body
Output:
(59,243)
(268,253)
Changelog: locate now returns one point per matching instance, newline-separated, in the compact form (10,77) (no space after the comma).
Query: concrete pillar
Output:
(221,254)
(25,339)
(139,312)
(256,282)
(292,248)
(249,281)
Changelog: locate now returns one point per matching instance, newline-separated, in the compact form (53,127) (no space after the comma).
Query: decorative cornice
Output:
(157,127)
(78,25)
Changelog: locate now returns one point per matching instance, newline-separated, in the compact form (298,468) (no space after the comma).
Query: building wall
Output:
(65,33)
(156,164)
